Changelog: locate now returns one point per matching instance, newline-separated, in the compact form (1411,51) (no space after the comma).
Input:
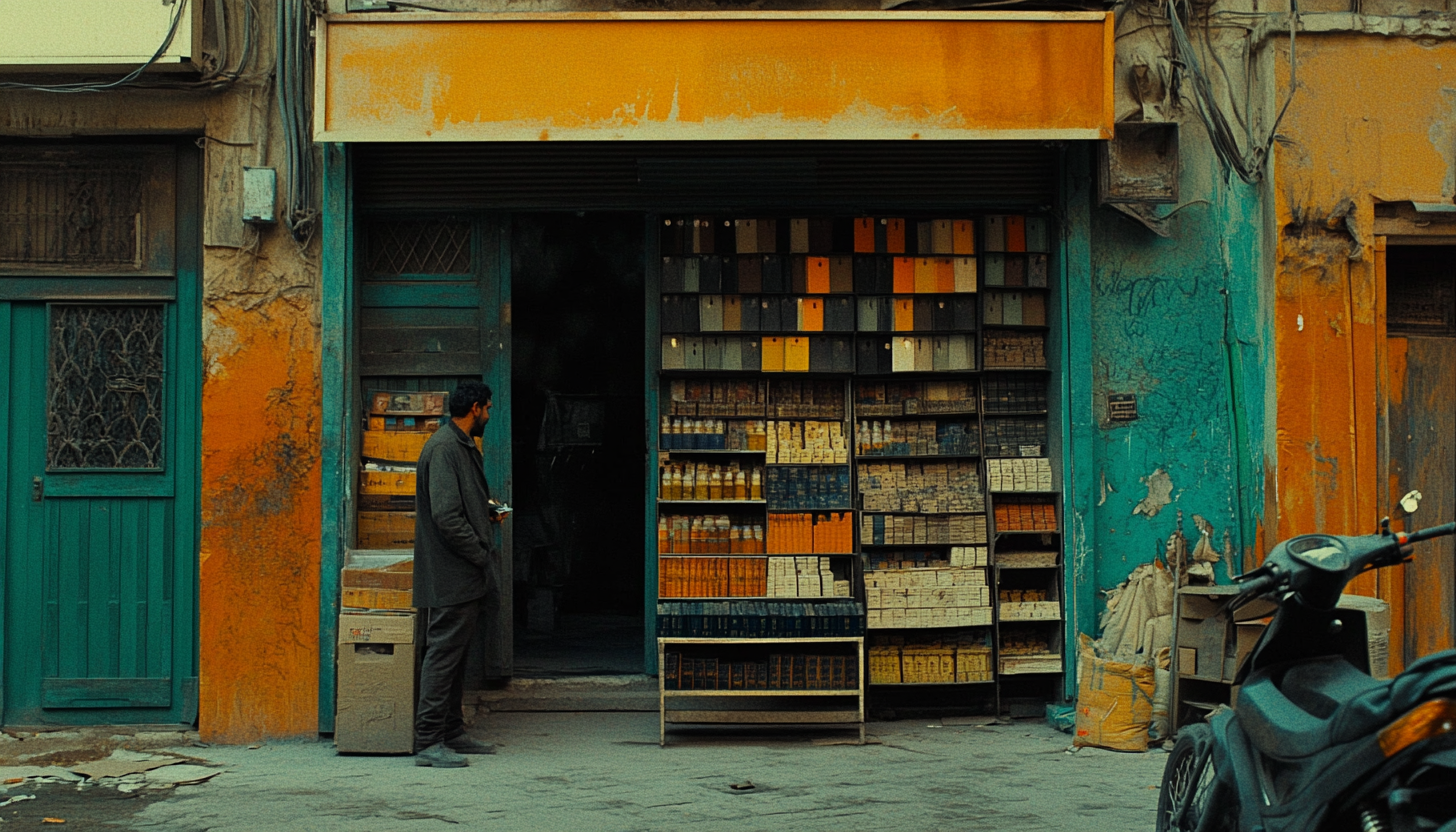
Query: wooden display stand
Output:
(762,707)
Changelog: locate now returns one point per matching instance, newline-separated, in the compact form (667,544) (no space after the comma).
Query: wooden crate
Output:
(387,483)
(377,599)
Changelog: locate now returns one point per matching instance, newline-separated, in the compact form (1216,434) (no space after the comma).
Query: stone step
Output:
(578,693)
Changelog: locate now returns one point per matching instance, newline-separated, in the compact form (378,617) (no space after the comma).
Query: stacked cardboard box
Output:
(895,659)
(944,597)
(378,580)
(931,487)
(807,442)
(1015,349)
(904,530)
(399,424)
(376,683)
(805,577)
(1026,516)
(1019,474)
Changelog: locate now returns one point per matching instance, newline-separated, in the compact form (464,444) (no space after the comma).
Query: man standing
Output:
(457,565)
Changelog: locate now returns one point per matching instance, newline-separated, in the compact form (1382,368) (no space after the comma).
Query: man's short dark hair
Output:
(467,395)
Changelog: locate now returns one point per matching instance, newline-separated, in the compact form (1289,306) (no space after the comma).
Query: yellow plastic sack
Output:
(1114,702)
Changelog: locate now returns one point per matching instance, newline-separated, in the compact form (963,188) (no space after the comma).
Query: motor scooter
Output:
(1314,742)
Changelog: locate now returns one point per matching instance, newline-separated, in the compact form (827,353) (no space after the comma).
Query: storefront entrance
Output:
(577,448)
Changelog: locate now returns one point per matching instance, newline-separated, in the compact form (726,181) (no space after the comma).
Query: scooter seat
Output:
(1300,709)
(1303,708)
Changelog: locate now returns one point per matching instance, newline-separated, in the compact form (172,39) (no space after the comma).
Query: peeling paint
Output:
(260,527)
(1160,494)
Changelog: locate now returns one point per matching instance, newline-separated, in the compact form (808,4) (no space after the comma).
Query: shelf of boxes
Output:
(1019,475)
(396,429)
(917,660)
(771,681)
(928,460)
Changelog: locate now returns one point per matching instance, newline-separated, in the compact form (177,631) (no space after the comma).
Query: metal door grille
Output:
(68,212)
(104,408)
(1421,305)
(400,247)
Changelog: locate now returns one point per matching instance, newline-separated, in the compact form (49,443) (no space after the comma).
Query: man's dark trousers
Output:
(442,673)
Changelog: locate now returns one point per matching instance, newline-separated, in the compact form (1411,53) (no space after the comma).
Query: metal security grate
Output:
(1421,304)
(63,211)
(400,247)
(105,403)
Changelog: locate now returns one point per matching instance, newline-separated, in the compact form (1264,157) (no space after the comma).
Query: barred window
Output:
(104,407)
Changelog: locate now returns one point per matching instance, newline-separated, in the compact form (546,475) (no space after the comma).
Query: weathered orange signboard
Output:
(714,76)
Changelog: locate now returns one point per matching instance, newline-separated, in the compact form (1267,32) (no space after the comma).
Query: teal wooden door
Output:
(100,551)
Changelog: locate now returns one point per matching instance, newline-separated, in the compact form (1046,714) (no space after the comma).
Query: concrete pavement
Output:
(581,772)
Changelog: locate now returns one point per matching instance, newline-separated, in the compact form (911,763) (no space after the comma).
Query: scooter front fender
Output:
(1233,759)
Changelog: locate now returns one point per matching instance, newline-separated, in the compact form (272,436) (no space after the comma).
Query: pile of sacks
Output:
(1124,679)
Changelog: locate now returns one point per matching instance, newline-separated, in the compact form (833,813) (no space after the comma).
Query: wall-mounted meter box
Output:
(260,194)
(94,33)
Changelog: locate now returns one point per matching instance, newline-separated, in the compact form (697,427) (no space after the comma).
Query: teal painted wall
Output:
(1179,322)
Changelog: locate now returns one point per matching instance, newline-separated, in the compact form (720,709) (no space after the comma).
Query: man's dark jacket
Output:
(455,553)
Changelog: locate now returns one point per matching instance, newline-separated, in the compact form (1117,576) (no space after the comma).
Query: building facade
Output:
(474,192)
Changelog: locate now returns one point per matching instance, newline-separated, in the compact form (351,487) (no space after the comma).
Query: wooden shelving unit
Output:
(836,707)
(968,320)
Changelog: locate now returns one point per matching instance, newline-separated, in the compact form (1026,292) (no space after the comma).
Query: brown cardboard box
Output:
(1208,643)
(376,684)
(378,580)
(408,403)
(376,599)
(390,483)
(386,530)
(1377,630)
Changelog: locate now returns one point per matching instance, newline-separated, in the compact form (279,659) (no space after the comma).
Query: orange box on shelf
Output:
(945,281)
(895,236)
(924,275)
(963,237)
(813,315)
(818,277)
(864,235)
(1016,233)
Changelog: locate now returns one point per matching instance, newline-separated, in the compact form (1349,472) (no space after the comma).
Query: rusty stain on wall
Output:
(1374,120)
(260,529)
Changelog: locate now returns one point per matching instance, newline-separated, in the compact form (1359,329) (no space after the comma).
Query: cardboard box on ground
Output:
(376,685)
(376,654)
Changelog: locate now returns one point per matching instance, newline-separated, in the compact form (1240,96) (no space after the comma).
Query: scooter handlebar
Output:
(1434,531)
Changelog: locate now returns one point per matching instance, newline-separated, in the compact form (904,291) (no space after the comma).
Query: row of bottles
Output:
(710,481)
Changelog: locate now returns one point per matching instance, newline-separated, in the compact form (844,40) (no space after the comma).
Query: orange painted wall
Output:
(1372,119)
(260,522)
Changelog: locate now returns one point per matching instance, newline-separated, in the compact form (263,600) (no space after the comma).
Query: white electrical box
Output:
(260,194)
(97,32)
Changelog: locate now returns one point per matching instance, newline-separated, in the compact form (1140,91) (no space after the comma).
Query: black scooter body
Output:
(1301,752)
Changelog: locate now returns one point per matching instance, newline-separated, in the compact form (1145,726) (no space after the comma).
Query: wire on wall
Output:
(130,77)
(295,109)
(219,73)
(1246,158)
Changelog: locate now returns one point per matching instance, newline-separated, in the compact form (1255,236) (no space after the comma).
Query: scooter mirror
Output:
(1410,502)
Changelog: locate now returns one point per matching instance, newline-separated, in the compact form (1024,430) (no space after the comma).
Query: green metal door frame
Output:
(342,288)
(1072,400)
(340,435)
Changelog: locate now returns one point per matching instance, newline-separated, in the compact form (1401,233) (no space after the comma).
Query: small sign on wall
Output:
(1122,407)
